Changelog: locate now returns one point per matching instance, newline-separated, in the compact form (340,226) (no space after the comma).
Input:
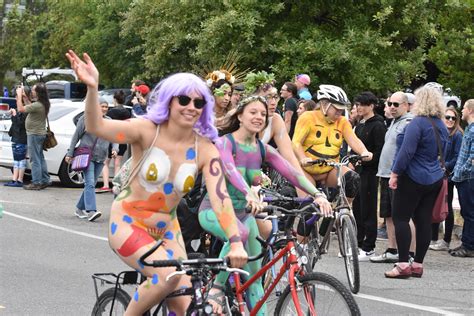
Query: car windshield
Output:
(57,111)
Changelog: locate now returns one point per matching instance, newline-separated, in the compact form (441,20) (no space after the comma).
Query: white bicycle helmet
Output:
(333,94)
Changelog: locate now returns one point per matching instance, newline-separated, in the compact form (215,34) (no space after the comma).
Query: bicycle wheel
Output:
(350,253)
(104,302)
(318,294)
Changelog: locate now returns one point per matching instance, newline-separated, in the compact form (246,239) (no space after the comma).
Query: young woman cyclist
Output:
(175,135)
(242,156)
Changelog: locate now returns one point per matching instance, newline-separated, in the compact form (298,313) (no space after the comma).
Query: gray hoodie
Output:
(101,149)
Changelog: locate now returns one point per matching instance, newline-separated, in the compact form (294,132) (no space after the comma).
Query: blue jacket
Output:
(417,152)
(452,151)
(464,169)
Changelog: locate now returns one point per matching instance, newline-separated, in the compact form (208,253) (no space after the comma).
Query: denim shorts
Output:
(19,151)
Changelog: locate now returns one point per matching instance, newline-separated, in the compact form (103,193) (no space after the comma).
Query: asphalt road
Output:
(47,257)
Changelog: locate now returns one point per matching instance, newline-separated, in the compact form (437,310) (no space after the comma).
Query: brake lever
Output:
(171,275)
(240,271)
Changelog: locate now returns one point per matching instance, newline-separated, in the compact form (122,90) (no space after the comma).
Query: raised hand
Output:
(85,70)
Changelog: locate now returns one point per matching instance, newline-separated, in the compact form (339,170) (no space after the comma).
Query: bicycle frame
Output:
(291,264)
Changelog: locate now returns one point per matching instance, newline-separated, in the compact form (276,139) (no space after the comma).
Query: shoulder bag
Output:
(82,157)
(50,140)
(440,207)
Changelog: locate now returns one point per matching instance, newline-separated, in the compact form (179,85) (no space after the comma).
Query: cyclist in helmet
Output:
(320,133)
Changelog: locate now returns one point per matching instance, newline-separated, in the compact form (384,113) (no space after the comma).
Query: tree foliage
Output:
(377,45)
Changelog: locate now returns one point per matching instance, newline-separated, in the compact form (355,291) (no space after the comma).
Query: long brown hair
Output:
(232,123)
(42,95)
(457,122)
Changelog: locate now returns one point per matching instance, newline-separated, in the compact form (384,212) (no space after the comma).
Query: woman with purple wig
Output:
(174,139)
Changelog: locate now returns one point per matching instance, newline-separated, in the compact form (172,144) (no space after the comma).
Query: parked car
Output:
(108,94)
(449,99)
(61,118)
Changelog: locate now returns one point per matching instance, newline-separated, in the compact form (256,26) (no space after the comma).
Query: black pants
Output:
(449,222)
(364,207)
(413,200)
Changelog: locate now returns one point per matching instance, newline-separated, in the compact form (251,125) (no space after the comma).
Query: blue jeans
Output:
(39,169)
(466,200)
(91,174)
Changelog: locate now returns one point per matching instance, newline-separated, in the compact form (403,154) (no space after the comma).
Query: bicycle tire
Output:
(328,297)
(350,253)
(104,302)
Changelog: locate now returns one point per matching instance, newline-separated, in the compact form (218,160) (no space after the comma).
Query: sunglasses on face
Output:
(395,104)
(450,118)
(184,100)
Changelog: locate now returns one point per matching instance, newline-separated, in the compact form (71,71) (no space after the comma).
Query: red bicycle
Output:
(308,293)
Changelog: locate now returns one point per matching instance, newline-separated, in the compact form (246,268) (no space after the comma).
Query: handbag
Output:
(440,207)
(82,157)
(50,140)
(126,173)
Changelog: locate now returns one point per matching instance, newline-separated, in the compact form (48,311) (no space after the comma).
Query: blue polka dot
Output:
(161,225)
(140,265)
(190,154)
(113,228)
(170,253)
(171,314)
(135,297)
(154,280)
(168,188)
(168,235)
(127,219)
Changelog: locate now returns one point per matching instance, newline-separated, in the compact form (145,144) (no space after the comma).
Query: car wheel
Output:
(69,177)
(453,103)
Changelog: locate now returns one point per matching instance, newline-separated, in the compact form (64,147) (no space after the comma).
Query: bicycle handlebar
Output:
(344,161)
(225,262)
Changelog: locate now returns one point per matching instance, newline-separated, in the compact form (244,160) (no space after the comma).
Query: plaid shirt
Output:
(464,169)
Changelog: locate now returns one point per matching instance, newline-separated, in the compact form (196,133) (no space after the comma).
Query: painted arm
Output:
(115,131)
(224,146)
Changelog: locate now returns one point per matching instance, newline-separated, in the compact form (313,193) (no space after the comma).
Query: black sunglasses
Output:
(450,118)
(395,104)
(184,100)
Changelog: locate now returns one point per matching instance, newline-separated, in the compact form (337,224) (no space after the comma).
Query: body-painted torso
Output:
(248,161)
(319,138)
(148,205)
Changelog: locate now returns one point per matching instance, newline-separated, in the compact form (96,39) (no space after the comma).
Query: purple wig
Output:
(182,84)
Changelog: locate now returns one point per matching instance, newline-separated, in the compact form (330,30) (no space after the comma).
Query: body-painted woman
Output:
(242,164)
(146,209)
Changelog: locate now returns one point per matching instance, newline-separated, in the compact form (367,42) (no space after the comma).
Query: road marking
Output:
(67,230)
(14,202)
(405,304)
(363,296)
(2,306)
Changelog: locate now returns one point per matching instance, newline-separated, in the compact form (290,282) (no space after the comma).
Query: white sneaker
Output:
(81,213)
(365,256)
(386,257)
(94,215)
(440,245)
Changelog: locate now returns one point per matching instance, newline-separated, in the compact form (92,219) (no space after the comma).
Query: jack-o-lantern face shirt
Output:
(320,139)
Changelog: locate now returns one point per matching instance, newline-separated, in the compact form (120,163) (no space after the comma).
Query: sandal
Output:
(218,297)
(462,252)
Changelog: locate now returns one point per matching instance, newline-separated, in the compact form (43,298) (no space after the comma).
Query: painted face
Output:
(301,109)
(104,108)
(253,117)
(223,102)
(449,119)
(185,115)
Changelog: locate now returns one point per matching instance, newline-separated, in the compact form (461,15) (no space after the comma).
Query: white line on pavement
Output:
(15,202)
(363,296)
(405,304)
(67,230)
